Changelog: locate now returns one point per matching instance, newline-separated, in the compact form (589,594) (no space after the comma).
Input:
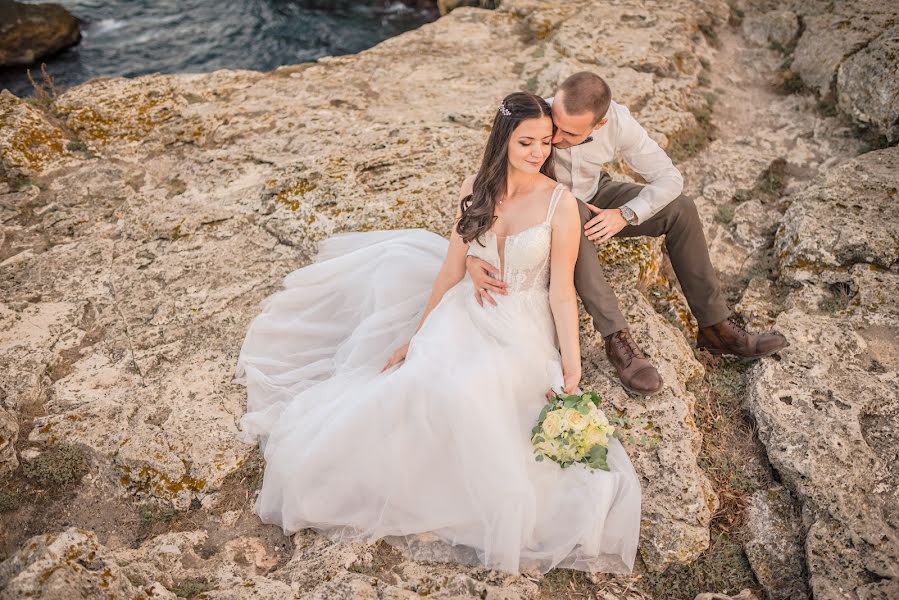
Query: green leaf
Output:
(539,458)
(536,429)
(598,457)
(539,439)
(583,409)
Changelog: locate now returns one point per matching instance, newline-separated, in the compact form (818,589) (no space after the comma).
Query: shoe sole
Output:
(636,393)
(716,352)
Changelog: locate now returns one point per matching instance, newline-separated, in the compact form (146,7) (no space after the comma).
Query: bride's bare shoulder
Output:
(467,186)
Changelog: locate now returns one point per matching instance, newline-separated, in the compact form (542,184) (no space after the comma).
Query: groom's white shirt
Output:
(580,167)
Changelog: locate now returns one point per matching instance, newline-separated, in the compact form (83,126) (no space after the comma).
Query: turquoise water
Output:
(136,37)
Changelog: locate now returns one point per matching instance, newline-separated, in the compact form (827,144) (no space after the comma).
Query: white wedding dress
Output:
(434,455)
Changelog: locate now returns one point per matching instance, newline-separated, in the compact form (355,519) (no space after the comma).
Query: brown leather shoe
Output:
(729,337)
(636,373)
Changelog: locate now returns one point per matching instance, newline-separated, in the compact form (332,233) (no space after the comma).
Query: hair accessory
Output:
(504,110)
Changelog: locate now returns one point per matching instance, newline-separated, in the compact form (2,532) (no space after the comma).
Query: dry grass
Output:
(689,141)
(736,465)
(730,454)
(46,91)
(567,584)
(236,492)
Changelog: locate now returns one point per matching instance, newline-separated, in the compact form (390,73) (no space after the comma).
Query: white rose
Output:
(576,420)
(552,424)
(595,436)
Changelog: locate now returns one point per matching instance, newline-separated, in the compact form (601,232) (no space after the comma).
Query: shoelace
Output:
(631,349)
(741,330)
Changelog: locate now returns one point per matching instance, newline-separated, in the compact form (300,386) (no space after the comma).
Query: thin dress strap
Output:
(553,202)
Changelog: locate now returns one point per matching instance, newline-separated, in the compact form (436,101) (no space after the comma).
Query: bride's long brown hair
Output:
(490,182)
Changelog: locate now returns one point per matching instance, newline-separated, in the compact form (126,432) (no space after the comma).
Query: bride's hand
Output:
(571,379)
(398,356)
(570,382)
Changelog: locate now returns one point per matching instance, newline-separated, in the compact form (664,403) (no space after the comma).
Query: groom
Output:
(589,129)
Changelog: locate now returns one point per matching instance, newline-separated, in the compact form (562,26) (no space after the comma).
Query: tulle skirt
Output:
(433,456)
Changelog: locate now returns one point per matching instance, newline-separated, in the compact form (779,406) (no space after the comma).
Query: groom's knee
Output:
(682,214)
(584,211)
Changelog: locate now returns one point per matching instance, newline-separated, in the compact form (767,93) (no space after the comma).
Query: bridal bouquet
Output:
(573,429)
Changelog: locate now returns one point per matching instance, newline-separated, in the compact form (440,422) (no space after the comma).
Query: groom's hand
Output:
(484,275)
(606,223)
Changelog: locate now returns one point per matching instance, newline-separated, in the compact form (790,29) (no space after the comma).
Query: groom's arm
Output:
(646,157)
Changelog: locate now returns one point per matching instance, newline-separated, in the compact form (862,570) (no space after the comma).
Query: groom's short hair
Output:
(586,92)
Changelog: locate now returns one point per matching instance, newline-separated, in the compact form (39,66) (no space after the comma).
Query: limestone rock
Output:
(9,433)
(145,259)
(61,566)
(29,32)
(29,142)
(778,27)
(847,52)
(678,499)
(828,411)
(868,85)
(832,35)
(852,214)
(743,595)
(445,6)
(775,549)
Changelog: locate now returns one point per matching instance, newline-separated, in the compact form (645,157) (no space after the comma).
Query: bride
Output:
(428,447)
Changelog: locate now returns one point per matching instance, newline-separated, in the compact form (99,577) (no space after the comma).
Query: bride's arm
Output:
(566,237)
(451,272)
(453,268)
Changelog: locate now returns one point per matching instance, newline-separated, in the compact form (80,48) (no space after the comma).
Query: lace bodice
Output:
(522,258)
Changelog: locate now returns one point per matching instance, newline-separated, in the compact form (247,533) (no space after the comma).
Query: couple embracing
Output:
(393,383)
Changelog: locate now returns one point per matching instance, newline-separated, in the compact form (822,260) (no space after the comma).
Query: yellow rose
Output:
(595,436)
(576,420)
(552,424)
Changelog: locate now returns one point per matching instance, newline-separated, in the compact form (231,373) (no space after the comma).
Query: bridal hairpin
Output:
(504,110)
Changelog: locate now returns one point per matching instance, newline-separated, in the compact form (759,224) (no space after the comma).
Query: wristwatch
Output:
(629,215)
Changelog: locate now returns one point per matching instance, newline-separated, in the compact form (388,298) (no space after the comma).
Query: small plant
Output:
(44,93)
(762,265)
(190,588)
(253,470)
(150,515)
(61,465)
(791,82)
(725,214)
(773,179)
(689,141)
(827,106)
(8,502)
(742,195)
(840,295)
(76,146)
(735,19)
(710,34)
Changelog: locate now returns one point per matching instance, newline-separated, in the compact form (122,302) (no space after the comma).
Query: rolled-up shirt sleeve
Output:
(664,182)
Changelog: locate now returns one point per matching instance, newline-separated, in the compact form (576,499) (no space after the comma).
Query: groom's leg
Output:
(592,286)
(685,241)
(634,368)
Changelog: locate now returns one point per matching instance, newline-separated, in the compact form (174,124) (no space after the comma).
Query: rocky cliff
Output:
(144,220)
